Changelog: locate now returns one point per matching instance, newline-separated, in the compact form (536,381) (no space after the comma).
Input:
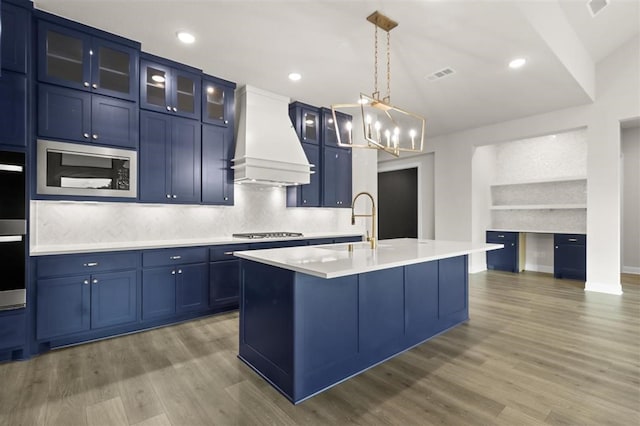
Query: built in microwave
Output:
(85,170)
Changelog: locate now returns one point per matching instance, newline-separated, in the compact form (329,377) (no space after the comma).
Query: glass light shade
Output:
(379,125)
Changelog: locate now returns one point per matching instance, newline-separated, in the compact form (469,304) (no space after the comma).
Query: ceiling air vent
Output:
(596,6)
(440,74)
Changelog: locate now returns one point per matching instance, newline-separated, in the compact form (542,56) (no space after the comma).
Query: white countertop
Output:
(335,260)
(144,245)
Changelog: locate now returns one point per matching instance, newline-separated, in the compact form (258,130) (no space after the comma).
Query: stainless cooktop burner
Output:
(268,235)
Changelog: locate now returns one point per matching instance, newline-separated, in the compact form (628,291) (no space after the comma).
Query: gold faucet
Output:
(371,238)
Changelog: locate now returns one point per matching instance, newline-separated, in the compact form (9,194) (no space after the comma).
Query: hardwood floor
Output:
(535,351)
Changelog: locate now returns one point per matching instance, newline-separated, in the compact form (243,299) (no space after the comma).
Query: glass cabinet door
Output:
(155,87)
(217,103)
(114,70)
(64,57)
(187,95)
(310,129)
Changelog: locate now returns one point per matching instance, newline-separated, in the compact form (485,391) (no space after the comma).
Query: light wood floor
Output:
(536,351)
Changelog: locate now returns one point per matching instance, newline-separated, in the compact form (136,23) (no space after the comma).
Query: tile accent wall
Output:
(256,209)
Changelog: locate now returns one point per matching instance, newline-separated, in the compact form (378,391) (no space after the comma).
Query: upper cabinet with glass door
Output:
(306,121)
(103,63)
(169,87)
(218,97)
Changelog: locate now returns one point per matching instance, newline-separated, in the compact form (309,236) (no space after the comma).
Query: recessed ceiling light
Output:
(157,78)
(517,63)
(295,76)
(185,37)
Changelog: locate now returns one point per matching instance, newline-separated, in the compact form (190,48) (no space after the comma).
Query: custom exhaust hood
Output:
(268,151)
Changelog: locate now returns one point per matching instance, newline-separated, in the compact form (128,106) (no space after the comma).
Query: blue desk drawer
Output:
(74,264)
(217,253)
(174,256)
(579,239)
(500,237)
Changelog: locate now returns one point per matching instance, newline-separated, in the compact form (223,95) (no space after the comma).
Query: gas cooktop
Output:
(268,235)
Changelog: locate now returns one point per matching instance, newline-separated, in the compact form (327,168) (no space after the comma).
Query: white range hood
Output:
(268,151)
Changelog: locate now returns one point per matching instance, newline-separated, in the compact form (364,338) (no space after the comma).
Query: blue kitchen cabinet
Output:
(192,287)
(218,101)
(224,287)
(306,122)
(170,87)
(570,256)
(15,23)
(84,117)
(158,292)
(217,175)
(13,109)
(174,281)
(13,334)
(329,135)
(170,159)
(114,299)
(86,59)
(336,177)
(79,293)
(509,258)
(63,306)
(307,195)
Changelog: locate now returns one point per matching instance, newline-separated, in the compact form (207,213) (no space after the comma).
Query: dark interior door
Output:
(398,204)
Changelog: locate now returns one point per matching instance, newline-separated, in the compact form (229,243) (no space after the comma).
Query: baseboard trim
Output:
(631,270)
(603,288)
(538,268)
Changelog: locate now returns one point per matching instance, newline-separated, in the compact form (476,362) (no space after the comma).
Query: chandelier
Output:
(384,126)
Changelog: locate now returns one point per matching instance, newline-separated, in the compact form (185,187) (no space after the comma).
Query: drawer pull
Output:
(173,272)
(500,236)
(228,253)
(85,282)
(175,257)
(91,264)
(573,240)
(95,281)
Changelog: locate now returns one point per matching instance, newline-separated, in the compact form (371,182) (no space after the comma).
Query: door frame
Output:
(390,166)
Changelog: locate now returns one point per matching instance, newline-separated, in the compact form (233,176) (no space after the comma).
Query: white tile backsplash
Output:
(256,209)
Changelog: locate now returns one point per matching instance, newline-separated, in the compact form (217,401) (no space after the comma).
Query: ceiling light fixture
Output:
(185,37)
(384,126)
(517,63)
(295,76)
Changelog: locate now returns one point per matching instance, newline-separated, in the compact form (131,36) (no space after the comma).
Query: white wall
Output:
(484,169)
(631,200)
(425,165)
(617,98)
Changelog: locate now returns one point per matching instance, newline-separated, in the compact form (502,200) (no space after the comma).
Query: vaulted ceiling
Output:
(331,44)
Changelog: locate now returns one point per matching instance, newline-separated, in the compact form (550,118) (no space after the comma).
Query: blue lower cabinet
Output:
(570,256)
(507,258)
(224,284)
(452,286)
(13,109)
(421,296)
(192,288)
(158,292)
(114,299)
(63,306)
(13,332)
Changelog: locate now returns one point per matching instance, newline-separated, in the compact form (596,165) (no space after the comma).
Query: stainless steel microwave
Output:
(85,170)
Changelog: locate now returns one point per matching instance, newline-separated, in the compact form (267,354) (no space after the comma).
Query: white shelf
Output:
(540,207)
(547,180)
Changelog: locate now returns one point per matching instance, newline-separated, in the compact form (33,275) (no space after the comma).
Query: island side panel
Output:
(453,291)
(421,296)
(266,322)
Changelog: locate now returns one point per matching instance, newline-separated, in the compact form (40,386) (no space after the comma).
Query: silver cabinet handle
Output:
(500,236)
(226,198)
(94,136)
(513,244)
(91,264)
(556,246)
(175,257)
(174,196)
(168,108)
(86,135)
(94,85)
(573,240)
(179,271)
(226,121)
(85,282)
(95,281)
(174,109)
(173,272)
(168,196)
(86,84)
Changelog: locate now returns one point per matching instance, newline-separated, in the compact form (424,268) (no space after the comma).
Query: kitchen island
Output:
(311,317)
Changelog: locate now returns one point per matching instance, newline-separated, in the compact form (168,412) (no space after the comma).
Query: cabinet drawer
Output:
(220,252)
(277,244)
(319,241)
(499,237)
(12,329)
(347,240)
(580,239)
(52,266)
(174,256)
